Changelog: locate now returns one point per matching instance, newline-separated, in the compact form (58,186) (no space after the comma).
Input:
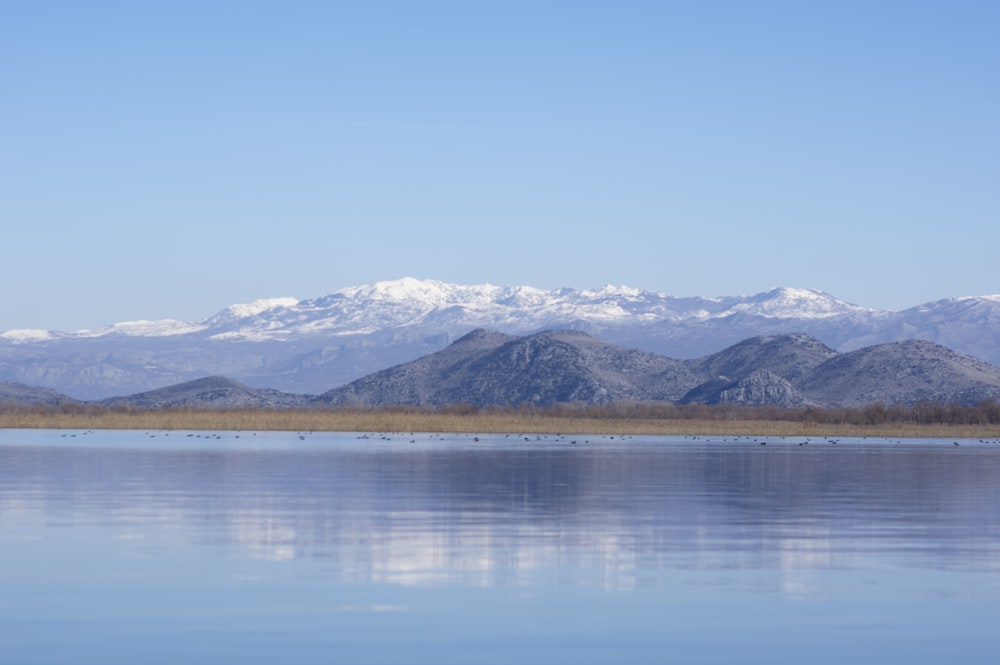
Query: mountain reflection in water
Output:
(120,548)
(621,515)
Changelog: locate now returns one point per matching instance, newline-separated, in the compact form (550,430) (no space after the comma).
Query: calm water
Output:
(119,547)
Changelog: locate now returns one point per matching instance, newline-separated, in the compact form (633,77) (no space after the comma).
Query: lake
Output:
(242,547)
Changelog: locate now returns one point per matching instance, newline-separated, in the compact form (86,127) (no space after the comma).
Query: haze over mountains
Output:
(313,346)
(488,368)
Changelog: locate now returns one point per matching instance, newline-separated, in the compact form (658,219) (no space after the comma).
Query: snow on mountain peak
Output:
(161,328)
(789,302)
(611,291)
(244,321)
(257,307)
(398,290)
(991,298)
(408,302)
(19,335)
(432,293)
(522,296)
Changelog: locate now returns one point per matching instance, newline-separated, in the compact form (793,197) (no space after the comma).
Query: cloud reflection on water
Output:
(619,517)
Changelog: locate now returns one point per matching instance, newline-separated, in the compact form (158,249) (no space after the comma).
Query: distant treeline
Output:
(924,413)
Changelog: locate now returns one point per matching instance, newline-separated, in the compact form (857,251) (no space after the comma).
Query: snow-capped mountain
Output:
(310,346)
(410,302)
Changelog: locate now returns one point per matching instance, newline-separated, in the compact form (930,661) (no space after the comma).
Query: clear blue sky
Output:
(167,159)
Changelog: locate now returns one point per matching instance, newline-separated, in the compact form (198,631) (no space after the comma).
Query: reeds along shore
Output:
(930,420)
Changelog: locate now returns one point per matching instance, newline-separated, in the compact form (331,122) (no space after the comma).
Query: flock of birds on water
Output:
(412,437)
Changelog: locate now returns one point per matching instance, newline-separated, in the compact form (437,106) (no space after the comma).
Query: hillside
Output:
(487,369)
(902,373)
(212,392)
(21,395)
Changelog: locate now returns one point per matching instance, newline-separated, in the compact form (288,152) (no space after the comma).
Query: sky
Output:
(168,159)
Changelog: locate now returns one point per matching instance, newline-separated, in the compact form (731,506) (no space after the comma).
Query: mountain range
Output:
(488,368)
(311,346)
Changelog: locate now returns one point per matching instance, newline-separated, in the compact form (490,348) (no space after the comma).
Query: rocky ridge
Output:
(487,369)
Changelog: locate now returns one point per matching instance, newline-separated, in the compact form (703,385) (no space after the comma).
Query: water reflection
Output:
(779,519)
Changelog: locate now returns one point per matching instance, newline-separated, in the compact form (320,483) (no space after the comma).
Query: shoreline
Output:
(473,423)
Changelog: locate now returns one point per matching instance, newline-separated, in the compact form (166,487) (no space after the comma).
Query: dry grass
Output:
(474,422)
